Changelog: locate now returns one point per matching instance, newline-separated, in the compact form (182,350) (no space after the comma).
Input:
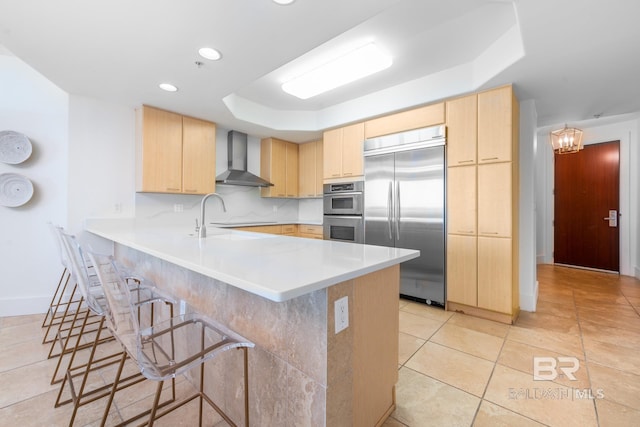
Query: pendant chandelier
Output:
(567,140)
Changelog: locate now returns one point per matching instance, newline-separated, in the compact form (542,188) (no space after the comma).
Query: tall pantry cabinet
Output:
(482,204)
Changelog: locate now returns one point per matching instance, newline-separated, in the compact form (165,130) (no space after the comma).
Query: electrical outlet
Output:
(178,207)
(341,307)
(117,208)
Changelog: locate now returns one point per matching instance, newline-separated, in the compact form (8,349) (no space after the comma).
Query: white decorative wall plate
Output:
(15,190)
(14,147)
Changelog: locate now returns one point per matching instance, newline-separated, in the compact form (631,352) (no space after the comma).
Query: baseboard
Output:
(23,306)
(540,259)
(528,302)
(637,273)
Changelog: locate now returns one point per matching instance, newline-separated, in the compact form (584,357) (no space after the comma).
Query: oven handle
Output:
(390,209)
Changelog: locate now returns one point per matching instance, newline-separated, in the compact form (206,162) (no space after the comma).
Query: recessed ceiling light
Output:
(168,87)
(284,2)
(354,65)
(210,53)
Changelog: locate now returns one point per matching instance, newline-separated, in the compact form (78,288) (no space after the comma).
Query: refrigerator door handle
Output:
(397,210)
(390,209)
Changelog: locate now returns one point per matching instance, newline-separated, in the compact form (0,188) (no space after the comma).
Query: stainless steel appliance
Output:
(343,208)
(404,205)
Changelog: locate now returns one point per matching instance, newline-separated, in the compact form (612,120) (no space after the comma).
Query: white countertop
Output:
(272,266)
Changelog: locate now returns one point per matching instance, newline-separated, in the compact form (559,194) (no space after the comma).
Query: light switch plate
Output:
(341,307)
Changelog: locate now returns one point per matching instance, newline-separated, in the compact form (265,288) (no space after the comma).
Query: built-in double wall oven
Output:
(343,208)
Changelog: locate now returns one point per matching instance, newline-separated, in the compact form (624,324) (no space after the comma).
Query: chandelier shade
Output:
(567,140)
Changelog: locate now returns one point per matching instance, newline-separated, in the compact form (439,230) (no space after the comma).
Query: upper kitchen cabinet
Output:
(311,164)
(279,166)
(498,112)
(176,154)
(429,115)
(462,130)
(343,152)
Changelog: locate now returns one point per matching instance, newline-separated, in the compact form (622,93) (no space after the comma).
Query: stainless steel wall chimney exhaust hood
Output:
(237,173)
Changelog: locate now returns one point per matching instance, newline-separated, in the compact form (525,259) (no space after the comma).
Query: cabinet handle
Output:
(347,173)
(490,158)
(188,190)
(465,231)
(173,189)
(335,174)
(489,232)
(465,161)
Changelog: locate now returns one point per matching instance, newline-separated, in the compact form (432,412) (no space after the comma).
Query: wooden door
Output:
(291,169)
(587,187)
(495,261)
(332,153)
(462,130)
(161,151)
(495,199)
(198,156)
(462,269)
(353,150)
(461,200)
(307,173)
(495,125)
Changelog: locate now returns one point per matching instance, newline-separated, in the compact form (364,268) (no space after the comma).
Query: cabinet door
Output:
(273,163)
(417,118)
(307,162)
(198,156)
(494,200)
(291,169)
(462,128)
(461,200)
(462,285)
(494,274)
(161,151)
(332,153)
(495,114)
(319,168)
(353,150)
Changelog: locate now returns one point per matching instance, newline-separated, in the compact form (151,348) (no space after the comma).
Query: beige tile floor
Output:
(454,370)
(457,370)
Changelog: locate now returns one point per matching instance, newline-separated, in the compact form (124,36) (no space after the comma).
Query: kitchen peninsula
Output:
(279,292)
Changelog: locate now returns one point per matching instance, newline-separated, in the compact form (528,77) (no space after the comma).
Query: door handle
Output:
(390,209)
(397,210)
(612,218)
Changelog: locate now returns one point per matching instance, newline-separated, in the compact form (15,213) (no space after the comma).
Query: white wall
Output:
(623,128)
(527,223)
(29,262)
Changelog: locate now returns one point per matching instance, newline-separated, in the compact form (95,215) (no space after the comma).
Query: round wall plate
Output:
(14,147)
(15,190)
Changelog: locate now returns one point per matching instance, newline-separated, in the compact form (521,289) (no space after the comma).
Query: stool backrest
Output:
(80,273)
(120,312)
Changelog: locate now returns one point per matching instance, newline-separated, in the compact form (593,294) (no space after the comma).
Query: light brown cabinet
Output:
(495,125)
(482,201)
(417,118)
(495,275)
(311,164)
(176,154)
(461,200)
(462,269)
(462,130)
(494,199)
(279,166)
(343,152)
(310,231)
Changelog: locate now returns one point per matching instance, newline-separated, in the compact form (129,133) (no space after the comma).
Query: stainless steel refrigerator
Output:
(404,206)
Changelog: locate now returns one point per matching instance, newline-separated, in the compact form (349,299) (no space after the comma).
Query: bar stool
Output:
(62,305)
(93,296)
(161,351)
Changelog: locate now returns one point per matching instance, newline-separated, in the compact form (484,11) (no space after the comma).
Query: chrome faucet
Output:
(202,231)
